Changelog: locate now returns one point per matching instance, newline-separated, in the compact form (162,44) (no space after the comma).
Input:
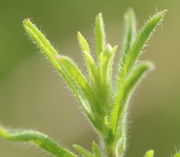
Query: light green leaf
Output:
(149,153)
(126,68)
(65,66)
(130,84)
(139,43)
(105,72)
(83,43)
(70,66)
(78,83)
(37,138)
(41,41)
(96,150)
(91,67)
(100,34)
(90,63)
(104,103)
(83,151)
(106,63)
(177,155)
(125,91)
(130,33)
(135,77)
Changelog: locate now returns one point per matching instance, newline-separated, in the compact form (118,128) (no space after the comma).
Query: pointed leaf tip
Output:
(82,151)
(100,34)
(177,155)
(130,11)
(149,153)
(26,20)
(3,133)
(37,138)
(99,15)
(138,45)
(161,14)
(83,43)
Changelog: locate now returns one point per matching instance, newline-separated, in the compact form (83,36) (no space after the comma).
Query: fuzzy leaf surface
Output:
(37,138)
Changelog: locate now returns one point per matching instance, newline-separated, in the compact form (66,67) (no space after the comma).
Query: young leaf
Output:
(149,153)
(130,33)
(83,151)
(135,77)
(96,150)
(91,67)
(177,155)
(90,63)
(105,72)
(37,138)
(83,43)
(41,41)
(127,65)
(106,63)
(79,83)
(105,106)
(139,44)
(124,93)
(100,34)
(65,66)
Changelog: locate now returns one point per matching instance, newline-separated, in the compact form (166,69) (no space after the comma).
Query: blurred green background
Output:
(33,96)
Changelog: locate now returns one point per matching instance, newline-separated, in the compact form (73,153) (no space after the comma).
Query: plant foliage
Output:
(103,98)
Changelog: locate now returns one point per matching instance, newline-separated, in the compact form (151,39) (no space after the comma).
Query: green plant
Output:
(104,101)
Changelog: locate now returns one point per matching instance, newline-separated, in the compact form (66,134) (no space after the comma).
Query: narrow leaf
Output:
(66,67)
(90,63)
(130,33)
(91,66)
(76,74)
(135,77)
(105,72)
(83,43)
(177,155)
(37,138)
(149,153)
(106,63)
(124,93)
(96,150)
(83,151)
(90,102)
(139,43)
(100,34)
(76,80)
(41,41)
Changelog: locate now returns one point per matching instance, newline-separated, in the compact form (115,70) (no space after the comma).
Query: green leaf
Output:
(104,103)
(130,33)
(177,155)
(37,138)
(106,63)
(149,153)
(139,44)
(77,82)
(91,67)
(90,63)
(83,43)
(65,66)
(122,102)
(96,150)
(100,34)
(124,94)
(131,56)
(41,41)
(105,72)
(135,77)
(83,151)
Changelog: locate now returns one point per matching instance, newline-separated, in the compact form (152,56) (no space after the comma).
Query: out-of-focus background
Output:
(33,96)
